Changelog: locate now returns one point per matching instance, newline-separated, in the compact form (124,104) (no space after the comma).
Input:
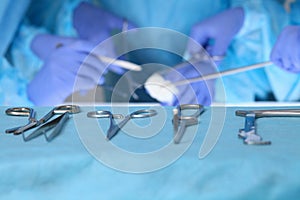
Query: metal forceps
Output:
(180,121)
(57,123)
(105,114)
(22,111)
(114,127)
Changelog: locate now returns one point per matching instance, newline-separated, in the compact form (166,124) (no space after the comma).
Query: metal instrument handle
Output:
(270,113)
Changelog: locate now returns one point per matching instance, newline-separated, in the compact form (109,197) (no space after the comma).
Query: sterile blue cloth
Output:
(63,169)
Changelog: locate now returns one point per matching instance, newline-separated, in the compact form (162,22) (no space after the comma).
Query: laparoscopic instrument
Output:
(222,73)
(181,121)
(114,128)
(56,124)
(249,132)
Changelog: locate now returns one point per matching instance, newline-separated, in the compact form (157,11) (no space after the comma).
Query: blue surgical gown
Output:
(19,23)
(264,21)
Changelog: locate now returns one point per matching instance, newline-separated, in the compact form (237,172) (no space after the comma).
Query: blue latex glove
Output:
(216,33)
(95,24)
(195,93)
(286,52)
(44,45)
(62,67)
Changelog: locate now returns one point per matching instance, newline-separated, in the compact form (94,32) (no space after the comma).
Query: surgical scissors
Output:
(180,121)
(22,111)
(114,128)
(64,110)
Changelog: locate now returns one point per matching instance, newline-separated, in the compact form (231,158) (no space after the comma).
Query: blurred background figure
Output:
(50,40)
(246,35)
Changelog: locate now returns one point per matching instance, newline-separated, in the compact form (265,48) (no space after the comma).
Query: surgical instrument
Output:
(108,60)
(121,63)
(180,121)
(249,133)
(57,123)
(22,111)
(114,127)
(222,73)
(105,114)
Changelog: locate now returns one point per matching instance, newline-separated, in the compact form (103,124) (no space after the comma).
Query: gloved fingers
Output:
(219,47)
(93,54)
(96,62)
(91,21)
(287,65)
(295,66)
(198,39)
(90,15)
(64,60)
(86,19)
(285,52)
(90,73)
(44,44)
(116,69)
(82,46)
(83,83)
(205,93)
(295,60)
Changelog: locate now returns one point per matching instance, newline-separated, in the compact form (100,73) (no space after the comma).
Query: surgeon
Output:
(20,22)
(263,31)
(242,31)
(68,65)
(36,50)
(246,35)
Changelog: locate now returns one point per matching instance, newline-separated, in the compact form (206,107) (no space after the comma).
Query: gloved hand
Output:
(160,87)
(95,24)
(216,33)
(63,67)
(286,52)
(44,45)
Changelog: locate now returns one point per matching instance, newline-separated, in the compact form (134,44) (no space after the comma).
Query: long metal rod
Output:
(223,73)
(270,113)
(121,63)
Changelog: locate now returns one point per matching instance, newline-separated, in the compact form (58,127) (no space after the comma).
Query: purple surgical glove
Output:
(95,24)
(195,93)
(216,33)
(286,52)
(68,61)
(161,85)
